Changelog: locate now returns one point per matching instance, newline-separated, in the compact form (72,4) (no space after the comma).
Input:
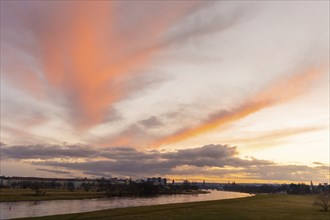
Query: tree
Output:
(70,186)
(86,186)
(148,188)
(322,200)
(35,186)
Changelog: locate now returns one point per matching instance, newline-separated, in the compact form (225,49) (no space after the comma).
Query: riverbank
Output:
(256,207)
(17,195)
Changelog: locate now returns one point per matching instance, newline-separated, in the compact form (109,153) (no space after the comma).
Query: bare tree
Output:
(322,200)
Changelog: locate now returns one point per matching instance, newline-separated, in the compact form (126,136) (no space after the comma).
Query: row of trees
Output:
(297,189)
(32,184)
(140,188)
(148,188)
(110,188)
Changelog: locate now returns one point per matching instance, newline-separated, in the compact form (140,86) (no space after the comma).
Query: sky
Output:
(200,90)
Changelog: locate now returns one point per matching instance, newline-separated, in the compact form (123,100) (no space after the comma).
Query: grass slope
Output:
(259,207)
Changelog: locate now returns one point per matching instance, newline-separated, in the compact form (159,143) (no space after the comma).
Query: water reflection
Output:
(10,210)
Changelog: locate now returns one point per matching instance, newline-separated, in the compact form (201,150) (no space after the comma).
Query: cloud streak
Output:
(277,93)
(46,151)
(53,171)
(272,137)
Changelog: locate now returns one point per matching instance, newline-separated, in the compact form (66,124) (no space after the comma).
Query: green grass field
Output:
(12,195)
(258,207)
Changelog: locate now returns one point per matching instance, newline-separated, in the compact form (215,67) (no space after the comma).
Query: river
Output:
(9,210)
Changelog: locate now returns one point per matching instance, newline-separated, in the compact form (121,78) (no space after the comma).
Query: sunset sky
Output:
(221,91)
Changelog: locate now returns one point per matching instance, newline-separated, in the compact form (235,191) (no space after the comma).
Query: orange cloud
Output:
(86,57)
(279,92)
(84,51)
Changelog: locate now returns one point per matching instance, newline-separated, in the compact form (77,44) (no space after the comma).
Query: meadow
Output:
(261,206)
(15,195)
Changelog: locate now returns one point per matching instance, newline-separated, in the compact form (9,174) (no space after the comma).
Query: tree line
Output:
(131,188)
(297,189)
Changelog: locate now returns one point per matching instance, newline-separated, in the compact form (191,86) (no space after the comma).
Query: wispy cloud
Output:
(273,137)
(277,93)
(53,171)
(83,53)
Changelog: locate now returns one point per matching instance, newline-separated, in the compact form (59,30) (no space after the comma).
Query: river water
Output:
(9,210)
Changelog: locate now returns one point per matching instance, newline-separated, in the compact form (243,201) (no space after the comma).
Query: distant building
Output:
(65,183)
(117,181)
(312,187)
(157,180)
(2,181)
(25,182)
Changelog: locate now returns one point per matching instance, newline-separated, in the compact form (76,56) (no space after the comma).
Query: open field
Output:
(12,195)
(257,207)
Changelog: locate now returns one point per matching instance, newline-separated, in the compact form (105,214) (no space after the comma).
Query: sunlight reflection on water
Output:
(10,210)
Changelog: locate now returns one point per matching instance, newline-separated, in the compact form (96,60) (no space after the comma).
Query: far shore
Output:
(18,195)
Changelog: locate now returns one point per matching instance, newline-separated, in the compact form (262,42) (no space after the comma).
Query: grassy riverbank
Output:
(15,195)
(258,207)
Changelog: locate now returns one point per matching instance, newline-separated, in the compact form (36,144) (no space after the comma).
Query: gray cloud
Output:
(98,174)
(212,155)
(288,172)
(137,132)
(210,161)
(54,171)
(129,160)
(46,151)
(118,158)
(204,22)
(151,122)
(124,167)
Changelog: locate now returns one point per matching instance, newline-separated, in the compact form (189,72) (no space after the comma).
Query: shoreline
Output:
(27,196)
(253,207)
